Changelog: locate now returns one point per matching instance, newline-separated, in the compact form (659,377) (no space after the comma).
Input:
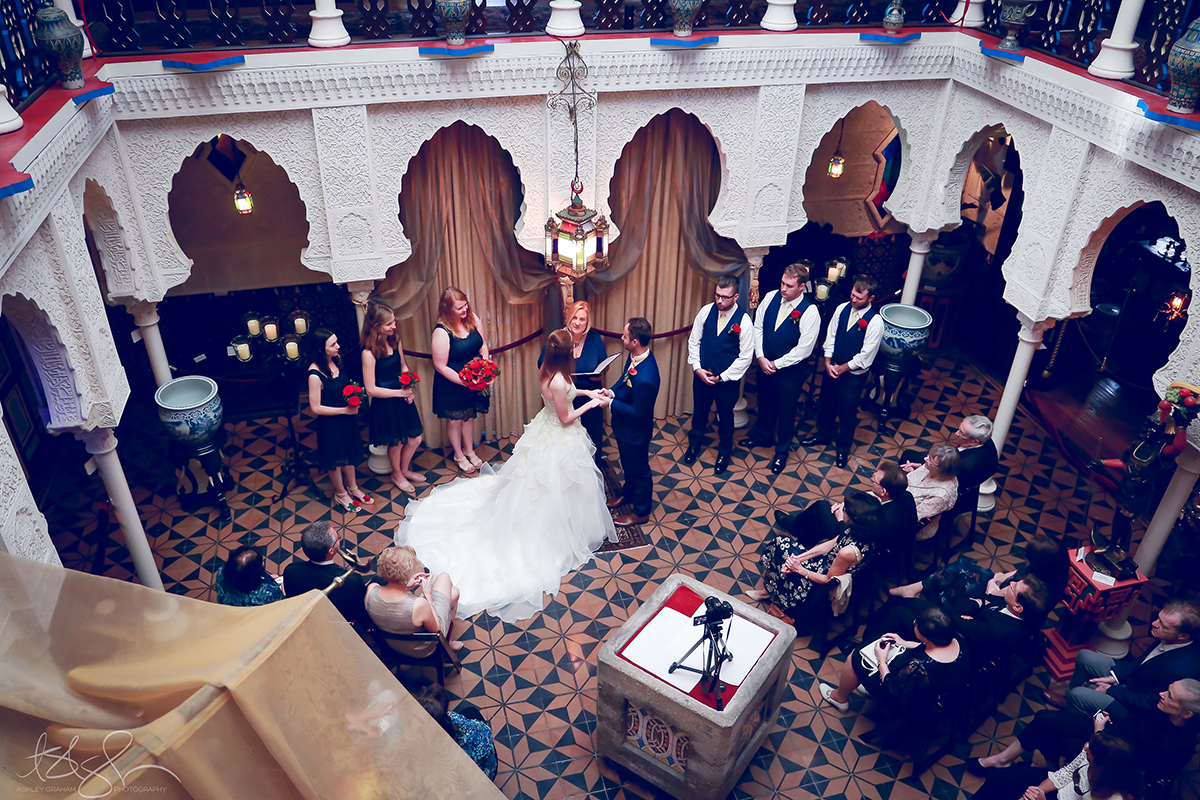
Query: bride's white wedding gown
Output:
(508,536)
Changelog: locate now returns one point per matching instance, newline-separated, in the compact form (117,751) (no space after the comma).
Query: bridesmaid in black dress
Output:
(395,421)
(339,446)
(588,349)
(457,338)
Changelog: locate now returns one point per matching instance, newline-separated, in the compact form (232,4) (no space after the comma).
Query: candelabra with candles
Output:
(824,284)
(280,355)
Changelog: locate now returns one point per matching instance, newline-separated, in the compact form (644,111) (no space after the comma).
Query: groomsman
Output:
(719,352)
(851,343)
(632,409)
(785,330)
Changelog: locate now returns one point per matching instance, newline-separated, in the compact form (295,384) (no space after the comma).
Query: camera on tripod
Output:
(716,611)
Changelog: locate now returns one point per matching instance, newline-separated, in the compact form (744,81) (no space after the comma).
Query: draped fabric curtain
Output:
(459,201)
(667,257)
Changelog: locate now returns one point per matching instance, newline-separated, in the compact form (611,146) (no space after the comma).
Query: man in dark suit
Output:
(632,408)
(898,512)
(1005,623)
(319,569)
(1100,680)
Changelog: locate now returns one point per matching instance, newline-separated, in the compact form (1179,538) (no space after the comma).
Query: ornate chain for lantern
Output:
(571,71)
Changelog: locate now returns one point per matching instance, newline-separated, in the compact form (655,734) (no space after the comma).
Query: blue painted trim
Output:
(16,188)
(80,99)
(1007,55)
(685,44)
(884,38)
(456,52)
(1190,122)
(206,66)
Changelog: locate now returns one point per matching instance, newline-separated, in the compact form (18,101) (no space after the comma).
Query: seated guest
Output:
(411,601)
(933,486)
(821,520)
(1004,623)
(793,573)
(1099,680)
(318,569)
(244,580)
(949,587)
(1164,737)
(1106,769)
(977,459)
(472,735)
(932,667)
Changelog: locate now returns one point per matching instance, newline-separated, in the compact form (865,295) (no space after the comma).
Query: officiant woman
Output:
(588,349)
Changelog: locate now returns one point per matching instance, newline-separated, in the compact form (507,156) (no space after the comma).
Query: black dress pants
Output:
(638,489)
(1056,734)
(724,394)
(813,525)
(778,395)
(839,398)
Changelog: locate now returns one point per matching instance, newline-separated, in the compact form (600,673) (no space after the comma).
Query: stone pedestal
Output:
(690,750)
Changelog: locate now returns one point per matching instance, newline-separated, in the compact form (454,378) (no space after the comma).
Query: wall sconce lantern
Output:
(837,164)
(243,201)
(1175,307)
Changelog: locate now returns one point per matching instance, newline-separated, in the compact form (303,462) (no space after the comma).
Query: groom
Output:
(633,397)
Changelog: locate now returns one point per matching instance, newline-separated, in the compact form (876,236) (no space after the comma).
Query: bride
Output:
(507,537)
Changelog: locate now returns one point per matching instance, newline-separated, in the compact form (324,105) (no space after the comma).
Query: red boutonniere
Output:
(632,372)
(795,315)
(862,323)
(735,328)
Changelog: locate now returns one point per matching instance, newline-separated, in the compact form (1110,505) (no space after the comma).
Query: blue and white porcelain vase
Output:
(190,408)
(454,14)
(905,330)
(684,12)
(1184,64)
(893,17)
(61,43)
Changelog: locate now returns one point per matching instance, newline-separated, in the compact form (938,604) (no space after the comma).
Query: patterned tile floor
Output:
(536,682)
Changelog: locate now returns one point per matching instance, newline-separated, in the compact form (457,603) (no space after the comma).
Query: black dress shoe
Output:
(778,463)
(722,464)
(842,459)
(783,520)
(693,452)
(975,768)
(813,441)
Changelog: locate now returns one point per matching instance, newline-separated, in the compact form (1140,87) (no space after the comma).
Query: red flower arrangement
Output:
(479,374)
(735,329)
(409,379)
(354,394)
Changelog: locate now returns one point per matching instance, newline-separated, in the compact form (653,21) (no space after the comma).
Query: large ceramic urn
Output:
(61,43)
(190,408)
(684,12)
(1184,63)
(455,15)
(905,330)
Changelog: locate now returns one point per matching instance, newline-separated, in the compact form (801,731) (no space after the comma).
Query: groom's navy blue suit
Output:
(633,425)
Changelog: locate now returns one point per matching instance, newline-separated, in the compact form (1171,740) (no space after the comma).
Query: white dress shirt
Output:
(810,329)
(724,321)
(866,356)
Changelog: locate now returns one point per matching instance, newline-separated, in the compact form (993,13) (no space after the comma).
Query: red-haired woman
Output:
(508,537)
(457,338)
(395,421)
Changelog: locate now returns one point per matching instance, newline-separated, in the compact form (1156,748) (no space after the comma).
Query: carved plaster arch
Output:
(398,132)
(1081,277)
(50,359)
(100,215)
(952,199)
(154,149)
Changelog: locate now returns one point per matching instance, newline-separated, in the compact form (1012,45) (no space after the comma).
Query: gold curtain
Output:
(203,701)
(665,263)
(459,201)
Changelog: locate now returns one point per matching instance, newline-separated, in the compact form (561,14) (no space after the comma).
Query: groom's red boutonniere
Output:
(632,372)
(735,328)
(862,323)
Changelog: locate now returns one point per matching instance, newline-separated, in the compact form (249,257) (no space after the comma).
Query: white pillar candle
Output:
(252,326)
(822,291)
(243,352)
(271,332)
(301,325)
(293,350)
(832,275)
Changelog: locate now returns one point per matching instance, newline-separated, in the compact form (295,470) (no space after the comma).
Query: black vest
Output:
(778,343)
(719,350)
(848,343)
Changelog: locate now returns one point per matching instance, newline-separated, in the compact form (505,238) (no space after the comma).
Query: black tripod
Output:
(717,652)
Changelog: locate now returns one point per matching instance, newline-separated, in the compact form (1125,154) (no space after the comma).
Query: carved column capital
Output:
(360,292)
(144,312)
(1032,331)
(754,255)
(922,240)
(98,441)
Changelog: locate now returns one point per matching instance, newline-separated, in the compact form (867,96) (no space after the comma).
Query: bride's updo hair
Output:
(559,358)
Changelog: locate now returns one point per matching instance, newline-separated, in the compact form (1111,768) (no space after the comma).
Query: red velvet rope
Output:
(496,352)
(666,335)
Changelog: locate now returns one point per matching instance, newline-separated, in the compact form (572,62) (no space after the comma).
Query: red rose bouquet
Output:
(479,374)
(408,379)
(354,395)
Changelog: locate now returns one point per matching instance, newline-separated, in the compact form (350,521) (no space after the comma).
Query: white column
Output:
(918,250)
(102,445)
(1030,339)
(969,14)
(146,316)
(754,257)
(1115,59)
(10,120)
(328,30)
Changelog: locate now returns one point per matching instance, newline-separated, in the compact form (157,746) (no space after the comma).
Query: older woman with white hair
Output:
(933,485)
(412,601)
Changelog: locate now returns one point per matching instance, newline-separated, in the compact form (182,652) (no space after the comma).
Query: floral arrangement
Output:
(409,379)
(354,394)
(479,374)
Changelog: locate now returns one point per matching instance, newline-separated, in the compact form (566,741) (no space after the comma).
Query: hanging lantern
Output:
(1176,306)
(575,238)
(837,164)
(243,201)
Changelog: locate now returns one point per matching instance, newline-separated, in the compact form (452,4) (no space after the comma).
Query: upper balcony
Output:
(1070,31)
